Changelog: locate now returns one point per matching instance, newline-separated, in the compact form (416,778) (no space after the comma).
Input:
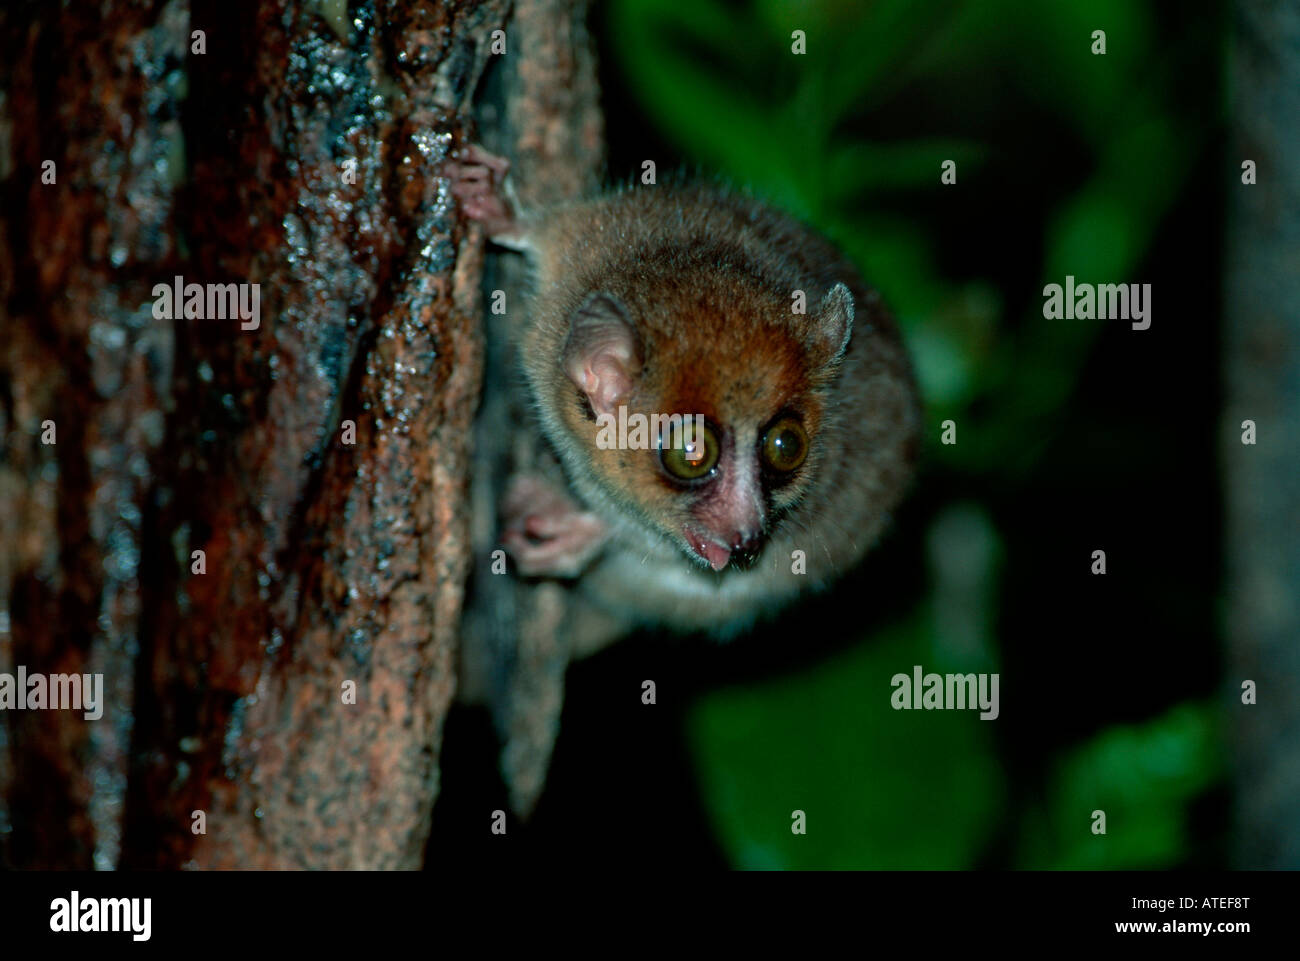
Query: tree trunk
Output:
(1262,482)
(299,152)
(545,117)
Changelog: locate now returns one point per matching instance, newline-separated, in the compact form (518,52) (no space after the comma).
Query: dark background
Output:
(1072,436)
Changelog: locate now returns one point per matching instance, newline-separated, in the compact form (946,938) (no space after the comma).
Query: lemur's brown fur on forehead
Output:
(722,350)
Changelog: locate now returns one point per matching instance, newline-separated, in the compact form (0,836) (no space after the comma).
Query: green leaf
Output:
(1144,777)
(880,788)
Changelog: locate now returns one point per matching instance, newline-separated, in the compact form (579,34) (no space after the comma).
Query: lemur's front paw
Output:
(546,532)
(478,182)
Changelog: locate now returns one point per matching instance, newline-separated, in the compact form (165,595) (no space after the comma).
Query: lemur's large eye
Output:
(693,456)
(785,445)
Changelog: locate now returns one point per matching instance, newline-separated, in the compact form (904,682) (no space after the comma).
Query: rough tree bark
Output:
(1262,482)
(299,152)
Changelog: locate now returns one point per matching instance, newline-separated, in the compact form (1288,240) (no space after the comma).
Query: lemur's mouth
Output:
(715,552)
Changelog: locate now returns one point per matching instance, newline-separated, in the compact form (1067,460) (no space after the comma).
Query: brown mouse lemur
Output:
(732,404)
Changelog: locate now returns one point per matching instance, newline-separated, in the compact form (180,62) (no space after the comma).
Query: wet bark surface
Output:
(298,152)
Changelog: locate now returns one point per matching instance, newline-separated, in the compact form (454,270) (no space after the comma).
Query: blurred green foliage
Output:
(932,788)
(720,80)
(886,789)
(1141,776)
(882,788)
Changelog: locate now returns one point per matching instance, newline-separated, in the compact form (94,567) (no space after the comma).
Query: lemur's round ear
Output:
(830,328)
(603,352)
